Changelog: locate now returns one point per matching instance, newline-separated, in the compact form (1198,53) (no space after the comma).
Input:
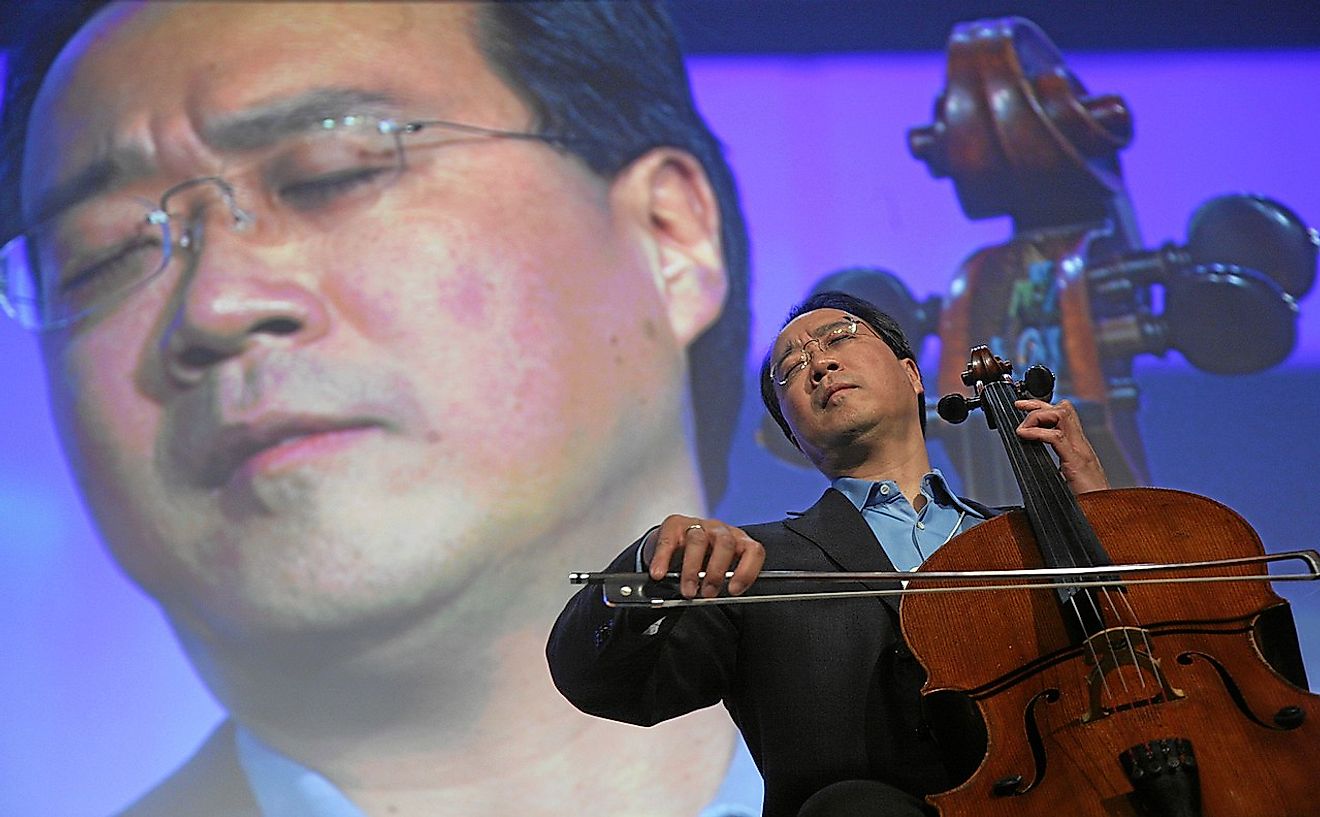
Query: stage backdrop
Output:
(97,701)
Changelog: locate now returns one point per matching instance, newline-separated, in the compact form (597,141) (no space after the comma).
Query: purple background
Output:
(97,701)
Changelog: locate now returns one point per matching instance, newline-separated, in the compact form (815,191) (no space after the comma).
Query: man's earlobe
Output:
(669,198)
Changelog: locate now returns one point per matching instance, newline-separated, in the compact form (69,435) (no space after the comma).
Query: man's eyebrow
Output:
(266,125)
(104,173)
(247,130)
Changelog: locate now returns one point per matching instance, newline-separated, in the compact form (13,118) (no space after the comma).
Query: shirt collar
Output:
(861,492)
(858,491)
(285,788)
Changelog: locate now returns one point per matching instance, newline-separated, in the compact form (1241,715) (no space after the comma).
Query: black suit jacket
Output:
(822,691)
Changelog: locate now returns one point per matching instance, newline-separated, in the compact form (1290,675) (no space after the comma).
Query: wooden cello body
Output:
(1134,701)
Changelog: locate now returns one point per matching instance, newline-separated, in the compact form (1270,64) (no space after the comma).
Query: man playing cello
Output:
(826,697)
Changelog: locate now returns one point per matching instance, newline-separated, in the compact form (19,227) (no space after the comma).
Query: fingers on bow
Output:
(696,544)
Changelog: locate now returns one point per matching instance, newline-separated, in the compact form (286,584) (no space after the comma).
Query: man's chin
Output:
(293,493)
(298,630)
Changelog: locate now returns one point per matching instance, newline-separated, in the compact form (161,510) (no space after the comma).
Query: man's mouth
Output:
(833,389)
(277,442)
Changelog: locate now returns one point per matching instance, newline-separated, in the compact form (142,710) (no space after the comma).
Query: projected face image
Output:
(355,374)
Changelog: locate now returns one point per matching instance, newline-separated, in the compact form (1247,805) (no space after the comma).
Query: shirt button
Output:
(921,526)
(884,489)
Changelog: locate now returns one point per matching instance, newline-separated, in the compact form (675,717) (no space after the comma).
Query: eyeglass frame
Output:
(824,341)
(159,216)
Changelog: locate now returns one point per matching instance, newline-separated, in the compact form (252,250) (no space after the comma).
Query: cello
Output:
(1119,698)
(1075,287)
(1109,681)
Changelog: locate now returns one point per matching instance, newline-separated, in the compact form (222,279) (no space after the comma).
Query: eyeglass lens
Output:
(98,250)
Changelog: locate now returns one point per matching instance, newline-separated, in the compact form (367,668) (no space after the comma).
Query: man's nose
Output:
(822,363)
(235,297)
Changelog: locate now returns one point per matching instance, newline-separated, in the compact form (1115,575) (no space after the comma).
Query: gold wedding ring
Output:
(693,527)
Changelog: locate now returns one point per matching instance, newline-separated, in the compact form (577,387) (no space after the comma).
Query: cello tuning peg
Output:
(1200,304)
(1240,231)
(954,408)
(1038,381)
(1256,233)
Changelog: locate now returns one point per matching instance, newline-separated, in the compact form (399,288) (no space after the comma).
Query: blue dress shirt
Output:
(907,535)
(285,788)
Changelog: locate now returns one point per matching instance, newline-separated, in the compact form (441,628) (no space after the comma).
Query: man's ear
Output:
(666,194)
(914,375)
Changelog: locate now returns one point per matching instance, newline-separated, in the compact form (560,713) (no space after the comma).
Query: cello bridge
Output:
(1108,653)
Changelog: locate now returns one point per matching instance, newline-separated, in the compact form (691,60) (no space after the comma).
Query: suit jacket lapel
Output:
(838,529)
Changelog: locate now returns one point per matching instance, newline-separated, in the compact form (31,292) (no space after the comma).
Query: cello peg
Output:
(1039,382)
(1257,233)
(954,408)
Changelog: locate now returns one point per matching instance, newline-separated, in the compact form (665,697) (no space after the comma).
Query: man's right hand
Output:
(693,544)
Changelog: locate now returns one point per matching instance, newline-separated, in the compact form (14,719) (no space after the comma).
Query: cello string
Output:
(1090,647)
(1151,714)
(1109,643)
(1048,490)
(1107,612)
(1123,652)
(1054,510)
(1065,525)
(1038,500)
(1126,619)
(1148,644)
(1142,713)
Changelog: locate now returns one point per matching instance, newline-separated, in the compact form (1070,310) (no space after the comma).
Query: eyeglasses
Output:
(830,338)
(97,252)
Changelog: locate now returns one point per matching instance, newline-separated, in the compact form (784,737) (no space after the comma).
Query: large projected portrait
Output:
(340,333)
(363,324)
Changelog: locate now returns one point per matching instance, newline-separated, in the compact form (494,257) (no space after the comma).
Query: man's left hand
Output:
(1058,426)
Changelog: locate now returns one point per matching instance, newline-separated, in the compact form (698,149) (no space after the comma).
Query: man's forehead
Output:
(214,64)
(808,324)
(147,19)
(222,55)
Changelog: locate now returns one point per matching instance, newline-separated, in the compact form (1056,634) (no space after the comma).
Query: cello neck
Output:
(1063,535)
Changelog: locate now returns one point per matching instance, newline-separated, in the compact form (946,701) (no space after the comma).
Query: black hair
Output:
(884,326)
(609,74)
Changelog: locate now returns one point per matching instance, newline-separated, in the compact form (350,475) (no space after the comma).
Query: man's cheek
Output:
(103,422)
